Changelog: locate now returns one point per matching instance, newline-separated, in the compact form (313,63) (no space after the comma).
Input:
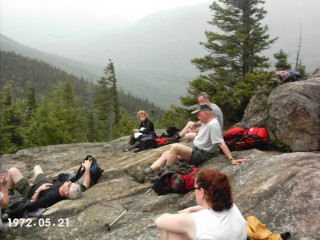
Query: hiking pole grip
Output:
(108,226)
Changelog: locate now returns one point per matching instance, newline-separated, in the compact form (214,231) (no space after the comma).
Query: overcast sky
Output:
(21,16)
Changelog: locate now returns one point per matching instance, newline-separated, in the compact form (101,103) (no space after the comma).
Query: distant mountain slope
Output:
(88,71)
(152,57)
(22,71)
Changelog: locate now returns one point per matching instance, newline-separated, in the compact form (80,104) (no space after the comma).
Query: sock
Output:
(148,170)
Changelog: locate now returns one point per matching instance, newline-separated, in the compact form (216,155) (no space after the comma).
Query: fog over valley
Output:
(151,52)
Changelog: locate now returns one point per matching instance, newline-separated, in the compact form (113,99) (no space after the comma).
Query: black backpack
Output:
(170,132)
(95,173)
(17,207)
(179,179)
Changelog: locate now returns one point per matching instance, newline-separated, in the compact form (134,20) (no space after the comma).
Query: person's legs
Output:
(188,133)
(36,170)
(142,174)
(160,162)
(14,176)
(168,158)
(16,180)
(186,129)
(178,152)
(190,136)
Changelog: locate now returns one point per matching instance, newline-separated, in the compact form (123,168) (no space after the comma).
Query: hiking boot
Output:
(175,139)
(140,175)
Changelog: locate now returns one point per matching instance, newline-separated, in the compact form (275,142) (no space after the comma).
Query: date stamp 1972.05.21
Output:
(40,222)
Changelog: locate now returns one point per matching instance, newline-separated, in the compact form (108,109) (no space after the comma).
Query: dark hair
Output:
(217,188)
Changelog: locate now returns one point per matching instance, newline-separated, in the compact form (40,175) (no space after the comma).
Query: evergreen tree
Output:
(302,69)
(107,104)
(282,61)
(66,108)
(31,102)
(234,51)
(58,119)
(112,81)
(103,108)
(10,122)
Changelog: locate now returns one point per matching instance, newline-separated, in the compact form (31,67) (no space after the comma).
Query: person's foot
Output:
(139,175)
(174,139)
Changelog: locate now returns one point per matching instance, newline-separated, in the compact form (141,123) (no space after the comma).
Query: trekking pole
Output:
(114,221)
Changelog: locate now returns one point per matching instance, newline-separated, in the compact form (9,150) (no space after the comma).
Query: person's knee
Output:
(13,171)
(38,169)
(190,123)
(175,147)
(14,176)
(189,136)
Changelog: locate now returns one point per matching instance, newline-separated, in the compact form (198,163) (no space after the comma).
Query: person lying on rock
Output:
(204,147)
(215,216)
(44,194)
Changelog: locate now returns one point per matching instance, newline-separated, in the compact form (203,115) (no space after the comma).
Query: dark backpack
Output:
(289,76)
(170,132)
(179,179)
(17,206)
(238,138)
(148,143)
(95,173)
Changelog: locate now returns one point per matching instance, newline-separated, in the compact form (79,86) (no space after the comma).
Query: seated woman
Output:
(145,131)
(215,217)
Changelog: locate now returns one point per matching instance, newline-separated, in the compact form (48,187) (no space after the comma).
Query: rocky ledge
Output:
(281,189)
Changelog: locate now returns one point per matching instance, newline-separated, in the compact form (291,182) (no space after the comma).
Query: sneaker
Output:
(140,175)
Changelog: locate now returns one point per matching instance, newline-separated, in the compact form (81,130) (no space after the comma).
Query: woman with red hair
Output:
(215,216)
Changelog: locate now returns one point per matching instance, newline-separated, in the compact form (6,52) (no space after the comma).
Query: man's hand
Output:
(44,187)
(238,161)
(3,181)
(87,164)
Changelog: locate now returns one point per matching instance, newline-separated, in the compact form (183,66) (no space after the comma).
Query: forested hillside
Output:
(22,72)
(43,105)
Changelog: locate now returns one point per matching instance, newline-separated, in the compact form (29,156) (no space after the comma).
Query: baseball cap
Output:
(202,107)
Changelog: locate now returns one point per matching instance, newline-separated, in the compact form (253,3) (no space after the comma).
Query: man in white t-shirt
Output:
(191,129)
(204,146)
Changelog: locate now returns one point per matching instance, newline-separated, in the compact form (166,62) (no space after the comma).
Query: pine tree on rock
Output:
(234,51)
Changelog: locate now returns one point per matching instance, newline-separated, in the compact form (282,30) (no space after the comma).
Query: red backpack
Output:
(179,179)
(242,138)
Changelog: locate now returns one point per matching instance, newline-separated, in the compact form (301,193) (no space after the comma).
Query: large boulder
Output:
(291,115)
(281,189)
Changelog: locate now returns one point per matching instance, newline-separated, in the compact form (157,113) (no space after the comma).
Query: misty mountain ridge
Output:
(152,57)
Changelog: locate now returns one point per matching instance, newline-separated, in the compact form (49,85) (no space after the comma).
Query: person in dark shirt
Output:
(146,130)
(44,194)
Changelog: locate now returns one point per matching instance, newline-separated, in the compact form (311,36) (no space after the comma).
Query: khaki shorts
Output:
(199,156)
(23,186)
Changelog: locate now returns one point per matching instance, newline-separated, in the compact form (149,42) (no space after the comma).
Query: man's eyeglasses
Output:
(69,185)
